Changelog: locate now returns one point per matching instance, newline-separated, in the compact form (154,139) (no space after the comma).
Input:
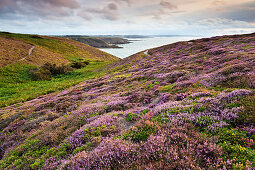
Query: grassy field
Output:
(17,85)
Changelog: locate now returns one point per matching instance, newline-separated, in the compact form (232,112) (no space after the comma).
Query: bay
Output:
(141,44)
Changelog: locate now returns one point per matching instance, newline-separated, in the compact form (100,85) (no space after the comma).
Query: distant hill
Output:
(15,47)
(99,42)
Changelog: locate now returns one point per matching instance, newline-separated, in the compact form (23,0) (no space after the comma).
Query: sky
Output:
(137,17)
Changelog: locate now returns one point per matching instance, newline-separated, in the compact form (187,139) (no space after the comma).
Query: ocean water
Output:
(141,44)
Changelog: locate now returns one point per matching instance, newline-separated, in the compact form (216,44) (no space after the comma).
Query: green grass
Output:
(53,45)
(16,84)
(60,46)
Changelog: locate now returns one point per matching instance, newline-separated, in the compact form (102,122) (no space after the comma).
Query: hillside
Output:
(23,73)
(99,42)
(114,40)
(187,105)
(47,49)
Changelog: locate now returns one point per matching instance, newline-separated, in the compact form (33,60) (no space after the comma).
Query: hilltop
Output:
(47,49)
(187,105)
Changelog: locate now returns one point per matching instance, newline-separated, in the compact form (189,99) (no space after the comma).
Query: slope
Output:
(47,49)
(20,54)
(188,105)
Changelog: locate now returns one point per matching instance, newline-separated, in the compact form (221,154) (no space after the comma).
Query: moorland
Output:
(187,105)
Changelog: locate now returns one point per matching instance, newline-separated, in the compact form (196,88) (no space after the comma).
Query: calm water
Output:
(141,44)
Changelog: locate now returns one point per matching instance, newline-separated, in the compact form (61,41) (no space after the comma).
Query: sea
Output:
(141,44)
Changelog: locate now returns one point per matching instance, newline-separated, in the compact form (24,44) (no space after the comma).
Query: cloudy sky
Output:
(186,17)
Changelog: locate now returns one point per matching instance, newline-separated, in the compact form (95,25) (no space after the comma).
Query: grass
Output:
(65,49)
(16,84)
(50,44)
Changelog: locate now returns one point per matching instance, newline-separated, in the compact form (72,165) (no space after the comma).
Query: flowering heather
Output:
(234,94)
(183,106)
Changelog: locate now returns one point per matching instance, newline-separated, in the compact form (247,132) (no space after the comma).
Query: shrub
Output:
(79,64)
(36,36)
(54,69)
(40,74)
(47,70)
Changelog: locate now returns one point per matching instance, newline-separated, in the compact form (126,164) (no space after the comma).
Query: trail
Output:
(29,53)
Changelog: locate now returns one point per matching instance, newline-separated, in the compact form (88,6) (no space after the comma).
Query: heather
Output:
(188,105)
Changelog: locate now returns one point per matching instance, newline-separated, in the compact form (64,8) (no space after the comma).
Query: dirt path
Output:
(146,52)
(29,53)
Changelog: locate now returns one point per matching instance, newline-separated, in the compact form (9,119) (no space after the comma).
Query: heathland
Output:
(187,105)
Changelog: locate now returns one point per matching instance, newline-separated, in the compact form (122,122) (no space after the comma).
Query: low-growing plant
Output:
(237,153)
(248,114)
(132,116)
(141,131)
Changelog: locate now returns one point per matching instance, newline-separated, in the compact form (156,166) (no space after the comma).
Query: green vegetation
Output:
(141,132)
(54,45)
(237,144)
(50,68)
(248,114)
(17,85)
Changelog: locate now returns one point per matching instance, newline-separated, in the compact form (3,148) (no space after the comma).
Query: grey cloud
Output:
(40,8)
(245,12)
(63,3)
(39,3)
(5,3)
(109,12)
(168,5)
(7,6)
(112,6)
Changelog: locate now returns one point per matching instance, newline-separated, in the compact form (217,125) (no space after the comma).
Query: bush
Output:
(36,36)
(55,70)
(40,74)
(79,64)
(47,70)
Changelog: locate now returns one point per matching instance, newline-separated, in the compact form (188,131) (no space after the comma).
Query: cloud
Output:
(124,14)
(244,12)
(218,2)
(108,12)
(62,3)
(112,6)
(5,3)
(129,2)
(168,5)
(40,8)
